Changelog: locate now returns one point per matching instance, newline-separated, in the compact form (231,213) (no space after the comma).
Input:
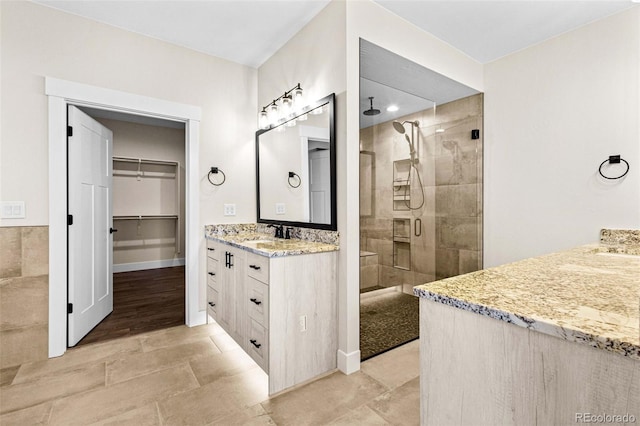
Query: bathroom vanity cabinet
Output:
(281,310)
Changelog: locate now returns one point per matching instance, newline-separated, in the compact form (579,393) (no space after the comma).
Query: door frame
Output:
(62,93)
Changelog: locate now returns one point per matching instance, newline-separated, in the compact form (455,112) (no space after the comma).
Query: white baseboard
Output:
(141,266)
(348,362)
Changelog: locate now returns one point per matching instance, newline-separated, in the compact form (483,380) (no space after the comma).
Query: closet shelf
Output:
(145,161)
(151,191)
(143,217)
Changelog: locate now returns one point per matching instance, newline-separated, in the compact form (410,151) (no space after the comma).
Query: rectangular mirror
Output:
(296,169)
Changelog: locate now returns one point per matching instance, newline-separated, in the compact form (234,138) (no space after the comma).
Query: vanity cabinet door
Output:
(231,274)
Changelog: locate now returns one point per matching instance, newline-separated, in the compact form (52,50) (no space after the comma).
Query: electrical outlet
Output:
(302,323)
(280,208)
(229,209)
(12,210)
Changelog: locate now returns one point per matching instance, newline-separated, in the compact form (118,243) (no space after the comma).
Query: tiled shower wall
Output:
(450,165)
(24,294)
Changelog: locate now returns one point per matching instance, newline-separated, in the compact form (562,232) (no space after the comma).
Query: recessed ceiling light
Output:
(394,108)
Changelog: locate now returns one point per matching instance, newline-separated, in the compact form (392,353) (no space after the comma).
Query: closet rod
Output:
(144,161)
(158,216)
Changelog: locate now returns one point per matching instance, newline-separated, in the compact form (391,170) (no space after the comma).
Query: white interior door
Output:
(90,286)
(320,186)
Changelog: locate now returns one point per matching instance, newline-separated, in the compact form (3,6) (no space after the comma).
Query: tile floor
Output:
(199,376)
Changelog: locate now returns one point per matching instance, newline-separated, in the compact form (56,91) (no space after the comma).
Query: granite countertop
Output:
(589,294)
(266,245)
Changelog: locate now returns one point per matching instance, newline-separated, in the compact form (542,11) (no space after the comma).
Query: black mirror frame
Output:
(333,225)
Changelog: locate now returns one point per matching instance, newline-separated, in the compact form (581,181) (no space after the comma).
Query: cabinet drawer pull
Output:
(211,249)
(212,274)
(253,342)
(256,301)
(257,268)
(212,304)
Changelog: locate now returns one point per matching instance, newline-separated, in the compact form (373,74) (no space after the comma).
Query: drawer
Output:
(212,267)
(212,302)
(258,345)
(258,267)
(213,250)
(258,301)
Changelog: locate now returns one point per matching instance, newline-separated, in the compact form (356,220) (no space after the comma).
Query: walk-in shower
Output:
(420,190)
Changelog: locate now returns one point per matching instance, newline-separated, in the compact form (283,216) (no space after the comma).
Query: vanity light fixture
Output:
(316,111)
(273,114)
(290,123)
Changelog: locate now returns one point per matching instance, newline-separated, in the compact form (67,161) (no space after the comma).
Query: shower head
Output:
(399,127)
(372,110)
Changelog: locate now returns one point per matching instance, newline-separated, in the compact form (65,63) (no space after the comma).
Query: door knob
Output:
(111,230)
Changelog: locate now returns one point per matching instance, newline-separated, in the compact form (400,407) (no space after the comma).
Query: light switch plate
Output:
(12,210)
(229,209)
(280,208)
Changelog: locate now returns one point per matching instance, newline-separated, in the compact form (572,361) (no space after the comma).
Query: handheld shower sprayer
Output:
(399,127)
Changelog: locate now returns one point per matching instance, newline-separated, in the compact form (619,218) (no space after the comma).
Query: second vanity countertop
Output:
(583,295)
(264,244)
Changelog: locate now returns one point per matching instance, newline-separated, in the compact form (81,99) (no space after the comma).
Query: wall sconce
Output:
(273,113)
(294,176)
(215,171)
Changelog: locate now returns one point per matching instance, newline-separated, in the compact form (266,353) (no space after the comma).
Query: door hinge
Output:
(69,308)
(69,131)
(69,219)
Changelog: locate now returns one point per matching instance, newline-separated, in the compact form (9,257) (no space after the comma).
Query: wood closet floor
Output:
(143,301)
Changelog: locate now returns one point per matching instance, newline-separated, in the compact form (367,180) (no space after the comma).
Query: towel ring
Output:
(215,171)
(613,159)
(292,175)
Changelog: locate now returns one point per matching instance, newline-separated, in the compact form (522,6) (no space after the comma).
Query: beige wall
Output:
(38,41)
(553,113)
(155,239)
(367,20)
(316,58)
(24,288)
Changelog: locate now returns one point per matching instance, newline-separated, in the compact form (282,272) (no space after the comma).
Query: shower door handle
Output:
(417,225)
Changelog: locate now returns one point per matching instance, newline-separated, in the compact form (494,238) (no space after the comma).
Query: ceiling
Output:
(250,31)
(394,80)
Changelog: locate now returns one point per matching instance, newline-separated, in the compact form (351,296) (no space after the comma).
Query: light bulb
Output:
(287,105)
(263,120)
(392,108)
(297,96)
(273,113)
(302,117)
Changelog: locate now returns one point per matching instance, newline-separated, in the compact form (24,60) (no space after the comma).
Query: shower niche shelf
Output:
(401,185)
(402,243)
